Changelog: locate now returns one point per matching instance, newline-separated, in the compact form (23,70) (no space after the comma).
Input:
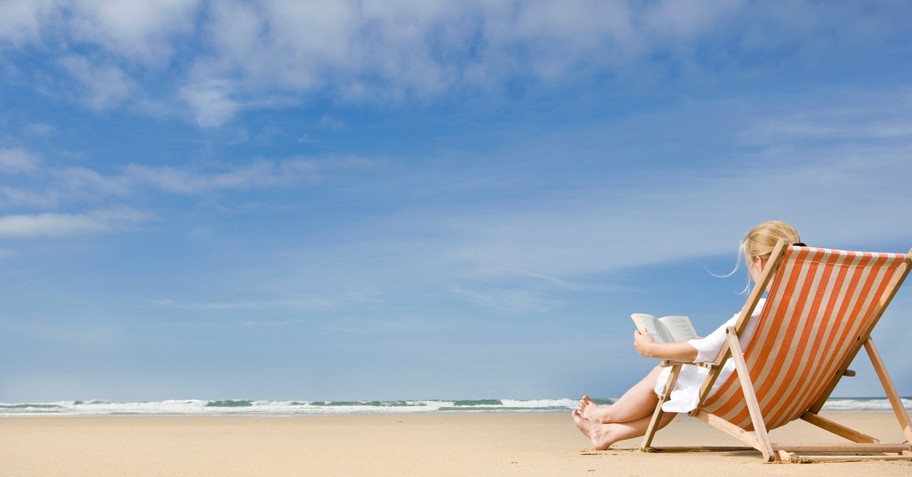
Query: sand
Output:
(525,444)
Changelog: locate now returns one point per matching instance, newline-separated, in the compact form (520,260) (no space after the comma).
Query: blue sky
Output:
(422,199)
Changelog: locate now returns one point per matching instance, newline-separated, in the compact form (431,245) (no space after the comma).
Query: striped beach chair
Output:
(820,309)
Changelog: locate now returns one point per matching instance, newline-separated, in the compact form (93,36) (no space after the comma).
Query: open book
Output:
(666,329)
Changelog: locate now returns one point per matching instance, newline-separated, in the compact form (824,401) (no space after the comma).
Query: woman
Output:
(629,416)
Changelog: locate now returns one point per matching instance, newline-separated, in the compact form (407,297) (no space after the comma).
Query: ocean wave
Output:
(863,404)
(194,407)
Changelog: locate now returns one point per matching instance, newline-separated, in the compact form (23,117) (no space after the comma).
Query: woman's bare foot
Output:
(597,433)
(579,420)
(591,411)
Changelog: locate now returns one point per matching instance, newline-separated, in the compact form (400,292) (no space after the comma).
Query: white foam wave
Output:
(862,404)
(193,407)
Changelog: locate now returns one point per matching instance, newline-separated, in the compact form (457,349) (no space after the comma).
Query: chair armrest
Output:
(668,362)
(665,363)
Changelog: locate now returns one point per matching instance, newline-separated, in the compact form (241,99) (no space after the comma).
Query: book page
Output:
(649,324)
(679,327)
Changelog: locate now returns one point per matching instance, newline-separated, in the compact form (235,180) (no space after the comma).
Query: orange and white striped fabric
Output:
(821,305)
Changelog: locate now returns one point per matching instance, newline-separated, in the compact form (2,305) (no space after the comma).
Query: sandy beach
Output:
(545,444)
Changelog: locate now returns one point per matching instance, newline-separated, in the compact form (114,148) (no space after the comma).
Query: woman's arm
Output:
(695,350)
(647,347)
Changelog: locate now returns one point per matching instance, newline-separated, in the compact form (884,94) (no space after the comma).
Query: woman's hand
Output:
(643,343)
(647,347)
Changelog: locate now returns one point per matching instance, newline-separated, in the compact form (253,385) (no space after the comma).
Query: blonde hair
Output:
(762,239)
(760,242)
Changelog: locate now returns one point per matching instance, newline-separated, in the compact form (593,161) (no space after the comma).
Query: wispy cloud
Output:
(299,302)
(52,187)
(180,181)
(18,161)
(81,335)
(104,86)
(211,102)
(49,188)
(39,129)
(28,198)
(62,225)
(258,175)
(518,301)
(84,183)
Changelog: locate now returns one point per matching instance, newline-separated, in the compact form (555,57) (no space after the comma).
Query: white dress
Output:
(686,394)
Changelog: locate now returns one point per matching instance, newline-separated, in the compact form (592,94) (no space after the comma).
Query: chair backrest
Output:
(821,306)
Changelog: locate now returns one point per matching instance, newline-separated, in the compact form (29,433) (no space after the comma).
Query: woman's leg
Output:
(637,403)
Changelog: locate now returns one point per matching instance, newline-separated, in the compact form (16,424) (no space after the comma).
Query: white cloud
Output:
(293,303)
(179,181)
(18,161)
(293,45)
(832,125)
(332,123)
(317,34)
(22,21)
(84,183)
(210,102)
(166,178)
(56,186)
(557,40)
(257,175)
(39,129)
(21,197)
(684,19)
(519,301)
(62,225)
(104,86)
(136,29)
(52,187)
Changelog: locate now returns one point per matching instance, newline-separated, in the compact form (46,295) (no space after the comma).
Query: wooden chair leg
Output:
(657,414)
(750,398)
(889,389)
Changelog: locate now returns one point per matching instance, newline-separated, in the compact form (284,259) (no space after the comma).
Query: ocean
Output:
(195,407)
